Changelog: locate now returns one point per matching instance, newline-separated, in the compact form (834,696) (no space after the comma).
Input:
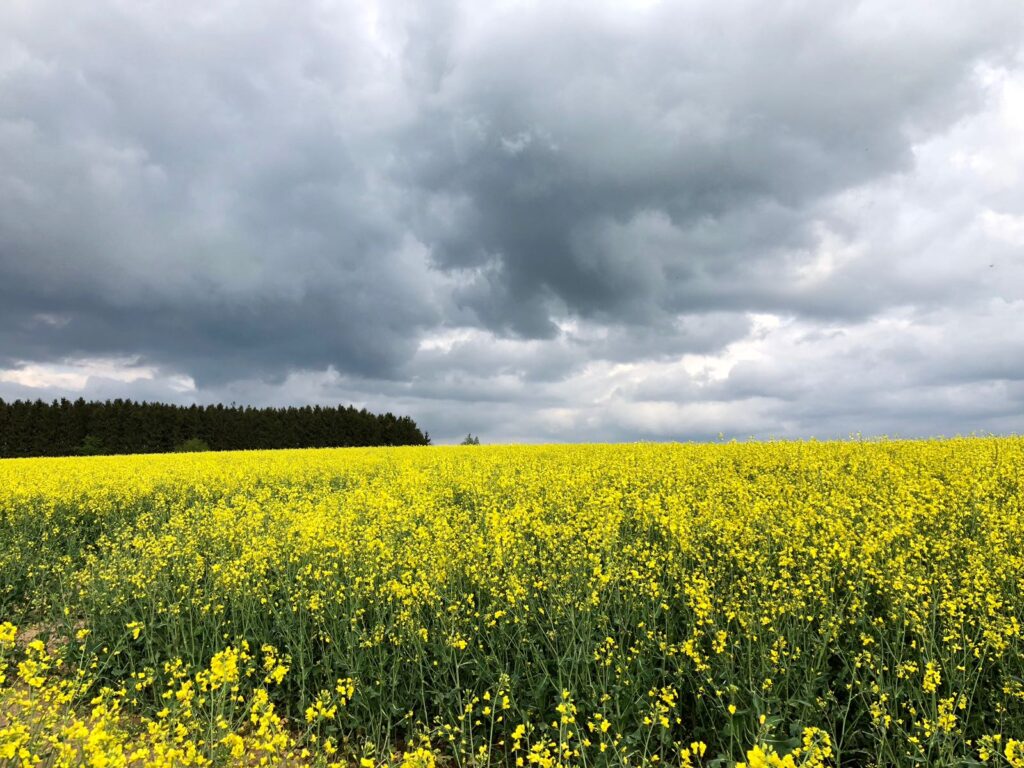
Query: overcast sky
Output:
(536,222)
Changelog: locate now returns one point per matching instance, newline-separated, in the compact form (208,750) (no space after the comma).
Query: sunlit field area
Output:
(772,604)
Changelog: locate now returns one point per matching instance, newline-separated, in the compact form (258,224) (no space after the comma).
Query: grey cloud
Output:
(728,123)
(481,357)
(290,203)
(197,190)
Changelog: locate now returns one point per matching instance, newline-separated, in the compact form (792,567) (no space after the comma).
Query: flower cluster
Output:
(773,604)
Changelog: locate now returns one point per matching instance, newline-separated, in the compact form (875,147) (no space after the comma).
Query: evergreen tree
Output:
(62,428)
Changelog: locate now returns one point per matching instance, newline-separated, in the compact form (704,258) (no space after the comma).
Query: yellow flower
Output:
(932,677)
(1014,753)
(7,634)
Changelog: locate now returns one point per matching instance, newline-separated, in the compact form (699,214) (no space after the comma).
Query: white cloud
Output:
(75,375)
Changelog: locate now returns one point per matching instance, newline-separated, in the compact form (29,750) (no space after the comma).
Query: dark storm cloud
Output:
(625,167)
(200,190)
(515,218)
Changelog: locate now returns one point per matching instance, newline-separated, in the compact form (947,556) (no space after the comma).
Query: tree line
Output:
(68,428)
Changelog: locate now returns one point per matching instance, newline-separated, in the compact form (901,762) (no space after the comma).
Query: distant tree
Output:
(91,446)
(192,445)
(470,440)
(60,428)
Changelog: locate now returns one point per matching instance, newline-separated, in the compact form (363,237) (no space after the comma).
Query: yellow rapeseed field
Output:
(773,604)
